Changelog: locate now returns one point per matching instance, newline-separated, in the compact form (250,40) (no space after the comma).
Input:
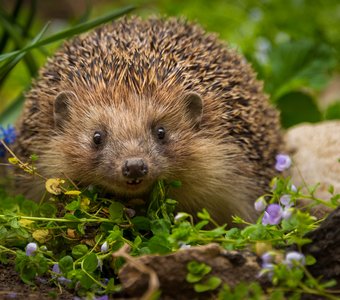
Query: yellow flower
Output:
(13,160)
(85,203)
(41,235)
(73,193)
(53,185)
(25,223)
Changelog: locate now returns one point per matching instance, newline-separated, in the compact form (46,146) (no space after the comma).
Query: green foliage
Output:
(297,107)
(29,267)
(197,274)
(74,240)
(333,111)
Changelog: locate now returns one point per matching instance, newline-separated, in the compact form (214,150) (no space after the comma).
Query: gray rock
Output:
(315,151)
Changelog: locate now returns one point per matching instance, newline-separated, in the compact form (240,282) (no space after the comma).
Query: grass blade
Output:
(70,32)
(14,32)
(10,113)
(11,63)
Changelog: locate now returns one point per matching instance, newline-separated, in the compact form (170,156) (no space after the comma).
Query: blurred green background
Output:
(294,45)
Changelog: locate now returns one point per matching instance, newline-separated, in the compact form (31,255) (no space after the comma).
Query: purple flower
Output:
(286,201)
(8,135)
(61,279)
(31,248)
(294,258)
(104,297)
(268,269)
(267,257)
(283,162)
(260,204)
(287,213)
(56,268)
(272,215)
(12,295)
(293,188)
(104,247)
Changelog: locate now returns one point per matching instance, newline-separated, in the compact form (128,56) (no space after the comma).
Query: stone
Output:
(315,152)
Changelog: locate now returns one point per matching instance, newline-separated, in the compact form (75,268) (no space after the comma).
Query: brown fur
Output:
(133,74)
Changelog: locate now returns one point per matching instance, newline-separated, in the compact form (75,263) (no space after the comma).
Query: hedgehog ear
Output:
(61,108)
(194,104)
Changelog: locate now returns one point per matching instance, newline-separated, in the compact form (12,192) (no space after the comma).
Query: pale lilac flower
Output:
(104,297)
(100,264)
(31,248)
(287,213)
(283,162)
(183,245)
(267,269)
(272,215)
(181,216)
(286,201)
(268,257)
(293,188)
(104,247)
(293,258)
(260,204)
(61,279)
(11,295)
(56,268)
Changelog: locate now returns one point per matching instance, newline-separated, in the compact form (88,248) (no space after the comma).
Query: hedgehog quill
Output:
(136,101)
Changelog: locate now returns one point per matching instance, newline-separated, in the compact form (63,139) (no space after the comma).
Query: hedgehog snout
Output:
(134,168)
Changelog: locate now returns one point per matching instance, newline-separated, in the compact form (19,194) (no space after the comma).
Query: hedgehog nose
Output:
(135,168)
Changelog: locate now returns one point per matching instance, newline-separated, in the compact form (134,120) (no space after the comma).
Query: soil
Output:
(11,287)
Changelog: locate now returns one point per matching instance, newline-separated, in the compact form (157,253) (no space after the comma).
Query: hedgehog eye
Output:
(98,137)
(160,133)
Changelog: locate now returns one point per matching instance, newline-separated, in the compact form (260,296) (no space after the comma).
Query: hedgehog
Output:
(137,101)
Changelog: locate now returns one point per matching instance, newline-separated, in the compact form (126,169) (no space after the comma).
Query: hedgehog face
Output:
(124,146)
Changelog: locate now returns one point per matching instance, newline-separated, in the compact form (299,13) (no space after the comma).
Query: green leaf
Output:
(66,264)
(310,260)
(299,64)
(176,184)
(29,207)
(141,223)
(71,217)
(192,278)
(14,223)
(328,284)
(90,263)
(209,285)
(116,211)
(160,227)
(204,215)
(79,251)
(331,189)
(111,287)
(297,107)
(333,111)
(3,232)
(159,244)
(335,199)
(47,210)
(84,279)
(73,205)
(198,268)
